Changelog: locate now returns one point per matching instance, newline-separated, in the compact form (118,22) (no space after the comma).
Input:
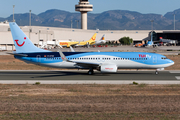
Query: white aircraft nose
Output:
(171,62)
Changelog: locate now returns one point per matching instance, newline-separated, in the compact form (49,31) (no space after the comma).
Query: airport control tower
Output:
(84,7)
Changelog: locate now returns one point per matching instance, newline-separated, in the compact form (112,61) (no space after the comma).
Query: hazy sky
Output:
(38,6)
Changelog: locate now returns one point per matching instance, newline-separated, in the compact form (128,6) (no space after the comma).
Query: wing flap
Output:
(87,64)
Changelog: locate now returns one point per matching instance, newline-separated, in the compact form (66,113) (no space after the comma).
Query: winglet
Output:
(63,57)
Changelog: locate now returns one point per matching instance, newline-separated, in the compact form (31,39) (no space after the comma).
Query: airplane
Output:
(105,62)
(67,43)
(168,41)
(88,42)
(101,41)
(151,43)
(74,43)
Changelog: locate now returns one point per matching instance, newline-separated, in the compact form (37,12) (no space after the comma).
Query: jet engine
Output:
(108,68)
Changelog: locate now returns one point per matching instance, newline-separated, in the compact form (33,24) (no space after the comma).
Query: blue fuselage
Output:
(129,60)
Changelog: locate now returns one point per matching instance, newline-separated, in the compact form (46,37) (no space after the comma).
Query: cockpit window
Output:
(164,58)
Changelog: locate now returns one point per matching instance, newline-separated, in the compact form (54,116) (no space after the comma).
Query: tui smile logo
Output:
(20,45)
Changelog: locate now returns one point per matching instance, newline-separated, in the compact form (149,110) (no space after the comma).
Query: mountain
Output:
(170,15)
(23,19)
(122,19)
(108,20)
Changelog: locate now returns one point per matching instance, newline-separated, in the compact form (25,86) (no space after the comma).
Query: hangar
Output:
(167,34)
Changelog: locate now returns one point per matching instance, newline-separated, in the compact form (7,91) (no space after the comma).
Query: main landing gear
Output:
(90,72)
(156,72)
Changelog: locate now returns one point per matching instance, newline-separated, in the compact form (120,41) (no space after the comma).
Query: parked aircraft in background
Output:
(88,42)
(105,62)
(64,43)
(101,41)
(150,43)
(168,41)
(67,43)
(49,44)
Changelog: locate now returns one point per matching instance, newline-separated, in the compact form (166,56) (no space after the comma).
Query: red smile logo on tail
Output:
(20,45)
(94,38)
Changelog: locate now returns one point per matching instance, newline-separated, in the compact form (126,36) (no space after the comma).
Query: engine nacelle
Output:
(108,68)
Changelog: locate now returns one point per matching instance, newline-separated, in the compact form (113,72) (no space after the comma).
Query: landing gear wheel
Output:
(90,72)
(156,72)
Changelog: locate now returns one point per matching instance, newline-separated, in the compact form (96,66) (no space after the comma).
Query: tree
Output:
(126,41)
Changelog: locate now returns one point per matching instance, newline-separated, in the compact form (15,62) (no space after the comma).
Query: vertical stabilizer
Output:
(152,37)
(21,41)
(103,37)
(93,38)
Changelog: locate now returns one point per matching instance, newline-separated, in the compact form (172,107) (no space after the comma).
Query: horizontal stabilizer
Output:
(23,55)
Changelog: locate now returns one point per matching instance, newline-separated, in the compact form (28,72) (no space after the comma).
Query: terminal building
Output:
(39,33)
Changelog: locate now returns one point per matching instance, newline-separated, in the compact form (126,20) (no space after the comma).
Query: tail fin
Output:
(103,37)
(21,41)
(151,36)
(93,38)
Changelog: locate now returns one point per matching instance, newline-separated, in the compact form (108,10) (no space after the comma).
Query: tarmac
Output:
(81,77)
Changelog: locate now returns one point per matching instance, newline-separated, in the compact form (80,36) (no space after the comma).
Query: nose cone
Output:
(103,41)
(171,62)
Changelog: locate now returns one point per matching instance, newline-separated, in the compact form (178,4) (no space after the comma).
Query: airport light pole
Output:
(47,35)
(29,22)
(77,23)
(152,24)
(71,24)
(13,13)
(39,36)
(30,18)
(174,22)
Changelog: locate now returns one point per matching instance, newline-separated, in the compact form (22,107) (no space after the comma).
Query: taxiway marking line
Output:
(174,71)
(177,77)
(24,74)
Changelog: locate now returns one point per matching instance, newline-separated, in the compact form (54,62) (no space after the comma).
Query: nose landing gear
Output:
(156,72)
(159,69)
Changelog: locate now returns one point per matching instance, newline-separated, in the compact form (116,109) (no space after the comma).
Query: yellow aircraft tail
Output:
(93,38)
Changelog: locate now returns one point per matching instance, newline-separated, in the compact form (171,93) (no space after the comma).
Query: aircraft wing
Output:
(87,64)
(83,64)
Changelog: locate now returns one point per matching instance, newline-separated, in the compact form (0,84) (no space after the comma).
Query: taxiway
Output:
(81,77)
